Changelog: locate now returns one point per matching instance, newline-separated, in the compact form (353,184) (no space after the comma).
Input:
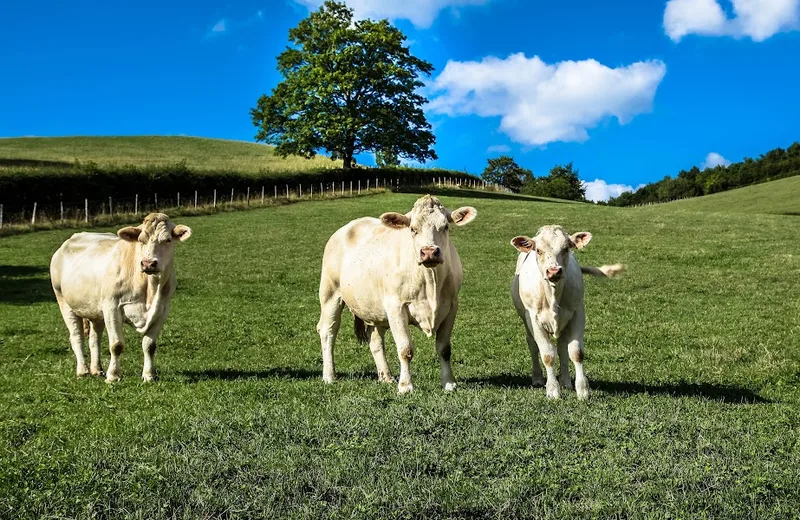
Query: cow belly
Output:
(83,296)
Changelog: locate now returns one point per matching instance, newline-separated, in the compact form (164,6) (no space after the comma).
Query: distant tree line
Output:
(775,164)
(561,183)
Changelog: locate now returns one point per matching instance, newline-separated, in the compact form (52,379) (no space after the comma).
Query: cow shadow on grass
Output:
(474,194)
(24,284)
(229,374)
(723,393)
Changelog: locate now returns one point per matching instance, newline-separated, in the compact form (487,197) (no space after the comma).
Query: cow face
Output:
(155,238)
(428,222)
(552,246)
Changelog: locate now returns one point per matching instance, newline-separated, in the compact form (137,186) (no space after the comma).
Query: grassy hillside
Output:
(776,197)
(692,357)
(199,153)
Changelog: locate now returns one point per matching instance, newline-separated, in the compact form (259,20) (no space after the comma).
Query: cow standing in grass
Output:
(393,272)
(103,280)
(547,291)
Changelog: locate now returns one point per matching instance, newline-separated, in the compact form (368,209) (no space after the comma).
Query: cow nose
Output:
(553,273)
(430,255)
(149,265)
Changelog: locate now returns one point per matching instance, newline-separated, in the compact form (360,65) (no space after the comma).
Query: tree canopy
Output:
(505,172)
(775,164)
(350,86)
(562,183)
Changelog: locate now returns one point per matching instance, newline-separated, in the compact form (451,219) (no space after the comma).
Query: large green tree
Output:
(562,183)
(350,86)
(506,172)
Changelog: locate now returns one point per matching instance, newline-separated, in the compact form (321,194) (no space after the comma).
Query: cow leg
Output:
(563,372)
(547,351)
(75,326)
(376,346)
(149,348)
(95,338)
(398,323)
(328,326)
(443,336)
(575,347)
(116,341)
(537,379)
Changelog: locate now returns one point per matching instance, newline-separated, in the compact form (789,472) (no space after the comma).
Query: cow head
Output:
(428,222)
(155,239)
(552,245)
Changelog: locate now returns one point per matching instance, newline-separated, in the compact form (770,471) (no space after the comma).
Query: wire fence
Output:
(75,211)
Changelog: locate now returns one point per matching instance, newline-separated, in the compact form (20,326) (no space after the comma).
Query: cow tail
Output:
(85,328)
(362,334)
(605,271)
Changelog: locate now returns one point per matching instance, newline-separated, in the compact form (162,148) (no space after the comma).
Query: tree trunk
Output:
(347,161)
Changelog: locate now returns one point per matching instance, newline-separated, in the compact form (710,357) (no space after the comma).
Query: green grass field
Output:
(692,356)
(199,153)
(780,197)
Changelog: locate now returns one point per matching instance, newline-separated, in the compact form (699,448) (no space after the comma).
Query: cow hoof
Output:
(553,392)
(328,379)
(98,372)
(449,387)
(405,388)
(566,383)
(386,379)
(537,382)
(148,378)
(582,389)
(82,373)
(112,378)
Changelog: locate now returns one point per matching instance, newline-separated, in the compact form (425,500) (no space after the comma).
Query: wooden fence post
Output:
(33,216)
(301,190)
(62,211)
(276,191)
(195,199)
(1,216)
(156,199)
(287,191)
(262,195)
(359,186)
(179,199)
(247,199)
(110,207)
(351,187)
(136,205)
(215,197)
(312,191)
(231,195)
(86,210)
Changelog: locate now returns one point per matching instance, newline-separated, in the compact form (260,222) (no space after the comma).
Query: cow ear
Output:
(523,244)
(579,240)
(395,220)
(463,215)
(129,234)
(182,232)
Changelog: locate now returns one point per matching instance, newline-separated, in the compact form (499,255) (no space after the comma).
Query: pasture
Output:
(692,357)
(201,154)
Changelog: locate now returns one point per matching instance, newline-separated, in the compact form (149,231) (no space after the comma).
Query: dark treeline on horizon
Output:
(775,164)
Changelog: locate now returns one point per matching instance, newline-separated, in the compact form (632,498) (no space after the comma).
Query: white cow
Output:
(103,280)
(547,291)
(393,272)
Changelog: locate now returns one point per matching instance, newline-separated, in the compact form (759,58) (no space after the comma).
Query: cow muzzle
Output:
(554,274)
(430,256)
(150,266)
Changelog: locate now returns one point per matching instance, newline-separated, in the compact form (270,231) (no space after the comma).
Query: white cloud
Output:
(219,27)
(499,148)
(540,103)
(421,13)
(713,160)
(597,190)
(757,19)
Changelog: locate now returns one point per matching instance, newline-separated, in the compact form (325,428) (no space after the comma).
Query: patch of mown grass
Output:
(691,355)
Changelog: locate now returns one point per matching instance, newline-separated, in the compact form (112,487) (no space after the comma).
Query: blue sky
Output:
(630,90)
